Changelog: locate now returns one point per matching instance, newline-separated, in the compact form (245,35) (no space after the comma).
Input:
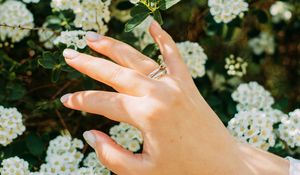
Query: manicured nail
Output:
(65,98)
(70,53)
(156,24)
(90,138)
(92,36)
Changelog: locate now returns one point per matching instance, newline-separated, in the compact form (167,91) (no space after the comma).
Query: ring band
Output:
(159,72)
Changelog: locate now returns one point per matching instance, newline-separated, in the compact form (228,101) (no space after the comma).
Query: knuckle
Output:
(115,74)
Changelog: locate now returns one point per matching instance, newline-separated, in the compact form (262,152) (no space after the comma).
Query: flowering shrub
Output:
(242,54)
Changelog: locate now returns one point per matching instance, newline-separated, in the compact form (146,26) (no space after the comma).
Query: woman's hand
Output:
(182,135)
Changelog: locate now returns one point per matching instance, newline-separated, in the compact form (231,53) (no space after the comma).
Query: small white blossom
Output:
(11,125)
(65,5)
(236,66)
(194,56)
(226,10)
(74,39)
(252,95)
(14,13)
(127,136)
(93,15)
(63,157)
(94,165)
(264,43)
(134,1)
(253,127)
(14,166)
(46,36)
(281,11)
(289,129)
(142,34)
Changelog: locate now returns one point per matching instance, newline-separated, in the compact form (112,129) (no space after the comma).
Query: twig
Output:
(29,28)
(61,89)
(61,120)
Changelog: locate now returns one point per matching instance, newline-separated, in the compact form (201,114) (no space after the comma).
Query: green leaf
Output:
(139,9)
(166,4)
(150,50)
(35,145)
(55,75)
(157,17)
(135,21)
(46,63)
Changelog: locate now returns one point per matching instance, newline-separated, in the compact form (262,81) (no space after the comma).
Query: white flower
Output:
(46,36)
(264,43)
(252,95)
(134,1)
(14,166)
(289,129)
(14,13)
(31,1)
(93,165)
(65,5)
(236,66)
(281,11)
(72,38)
(194,56)
(142,34)
(63,157)
(93,15)
(11,125)
(127,136)
(253,127)
(226,10)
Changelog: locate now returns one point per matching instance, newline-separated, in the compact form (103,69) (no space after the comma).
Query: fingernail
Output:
(65,98)
(92,36)
(156,24)
(90,138)
(70,53)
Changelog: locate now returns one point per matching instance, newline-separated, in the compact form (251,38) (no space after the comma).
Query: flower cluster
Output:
(65,5)
(236,66)
(14,166)
(11,125)
(264,43)
(252,95)
(92,162)
(281,11)
(226,10)
(14,13)
(289,129)
(72,39)
(194,56)
(127,136)
(141,32)
(63,157)
(253,127)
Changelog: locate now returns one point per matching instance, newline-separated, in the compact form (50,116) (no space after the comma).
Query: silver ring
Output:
(159,72)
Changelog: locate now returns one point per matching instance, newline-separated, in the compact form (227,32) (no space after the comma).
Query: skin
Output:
(182,134)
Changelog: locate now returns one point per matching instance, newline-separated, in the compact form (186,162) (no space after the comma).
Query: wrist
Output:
(261,162)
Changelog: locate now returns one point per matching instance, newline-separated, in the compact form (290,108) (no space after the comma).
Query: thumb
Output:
(112,155)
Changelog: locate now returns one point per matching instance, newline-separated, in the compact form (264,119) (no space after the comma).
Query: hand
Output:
(182,135)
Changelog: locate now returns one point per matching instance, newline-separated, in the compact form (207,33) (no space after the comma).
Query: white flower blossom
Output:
(194,56)
(289,129)
(46,36)
(252,95)
(63,157)
(93,15)
(14,166)
(264,43)
(142,34)
(236,66)
(134,1)
(65,5)
(14,13)
(226,10)
(74,39)
(281,11)
(93,165)
(253,127)
(11,125)
(127,136)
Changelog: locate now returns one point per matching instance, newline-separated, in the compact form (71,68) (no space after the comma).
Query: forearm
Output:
(263,163)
